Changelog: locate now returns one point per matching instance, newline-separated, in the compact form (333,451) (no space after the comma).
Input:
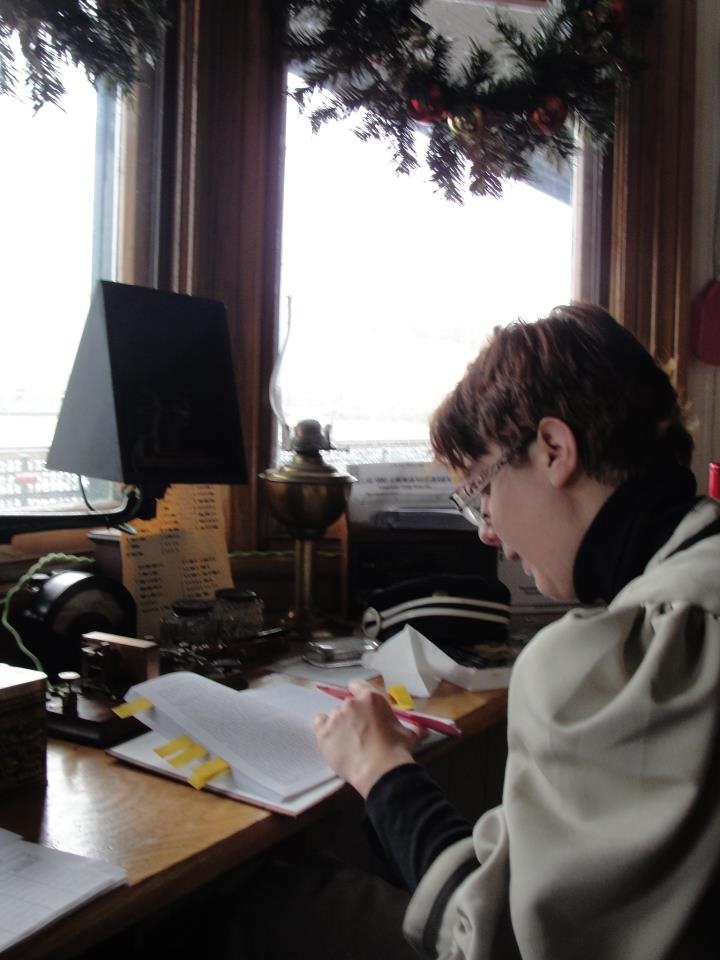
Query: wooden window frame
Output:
(224,225)
(651,246)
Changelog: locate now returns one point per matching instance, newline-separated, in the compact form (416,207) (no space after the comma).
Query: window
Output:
(225,194)
(388,289)
(57,237)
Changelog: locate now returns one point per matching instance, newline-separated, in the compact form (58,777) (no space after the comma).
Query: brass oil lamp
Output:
(306,495)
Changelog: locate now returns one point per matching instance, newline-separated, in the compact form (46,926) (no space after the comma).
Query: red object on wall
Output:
(705,324)
(714,479)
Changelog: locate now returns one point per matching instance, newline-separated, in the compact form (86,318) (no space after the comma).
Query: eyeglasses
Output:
(468,497)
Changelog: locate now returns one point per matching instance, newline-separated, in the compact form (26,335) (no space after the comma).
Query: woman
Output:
(574,459)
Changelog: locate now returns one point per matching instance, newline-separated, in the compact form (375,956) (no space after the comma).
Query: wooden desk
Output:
(170,838)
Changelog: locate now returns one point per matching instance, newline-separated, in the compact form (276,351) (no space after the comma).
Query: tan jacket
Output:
(609,830)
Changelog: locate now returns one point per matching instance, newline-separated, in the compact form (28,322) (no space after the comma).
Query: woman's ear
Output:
(557,449)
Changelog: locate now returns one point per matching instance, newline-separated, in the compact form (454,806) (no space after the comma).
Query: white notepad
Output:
(39,885)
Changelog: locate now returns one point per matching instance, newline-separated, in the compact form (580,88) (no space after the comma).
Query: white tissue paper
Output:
(410,658)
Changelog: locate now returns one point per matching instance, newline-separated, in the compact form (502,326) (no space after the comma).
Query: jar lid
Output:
(189,607)
(237,596)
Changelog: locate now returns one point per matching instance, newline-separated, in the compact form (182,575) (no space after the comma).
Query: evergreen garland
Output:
(108,39)
(484,124)
(382,58)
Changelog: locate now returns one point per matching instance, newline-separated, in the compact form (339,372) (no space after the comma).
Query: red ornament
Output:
(550,115)
(428,105)
(618,12)
(608,12)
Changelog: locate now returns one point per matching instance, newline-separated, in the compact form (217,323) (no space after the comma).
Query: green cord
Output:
(42,562)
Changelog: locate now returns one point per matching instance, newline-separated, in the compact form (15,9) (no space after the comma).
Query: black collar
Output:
(631,526)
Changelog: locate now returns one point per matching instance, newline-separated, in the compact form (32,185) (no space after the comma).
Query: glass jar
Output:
(189,625)
(237,614)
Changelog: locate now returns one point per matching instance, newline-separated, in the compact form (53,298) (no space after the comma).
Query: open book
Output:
(264,736)
(39,885)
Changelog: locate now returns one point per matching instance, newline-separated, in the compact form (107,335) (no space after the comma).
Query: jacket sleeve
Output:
(413,820)
(461,907)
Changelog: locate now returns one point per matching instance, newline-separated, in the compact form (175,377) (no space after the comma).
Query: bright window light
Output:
(48,171)
(392,288)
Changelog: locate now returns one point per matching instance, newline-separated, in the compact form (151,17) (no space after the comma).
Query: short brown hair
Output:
(580,365)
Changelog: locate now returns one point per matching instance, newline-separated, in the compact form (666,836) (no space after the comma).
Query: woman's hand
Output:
(362,739)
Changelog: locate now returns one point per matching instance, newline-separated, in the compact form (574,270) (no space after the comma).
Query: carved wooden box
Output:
(23,729)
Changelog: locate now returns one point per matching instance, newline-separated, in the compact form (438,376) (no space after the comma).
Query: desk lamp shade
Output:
(151,398)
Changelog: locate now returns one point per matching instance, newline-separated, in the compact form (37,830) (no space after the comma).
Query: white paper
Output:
(180,555)
(410,658)
(38,885)
(397,486)
(264,734)
(141,752)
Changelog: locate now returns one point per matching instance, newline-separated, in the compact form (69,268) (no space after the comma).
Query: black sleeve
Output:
(413,821)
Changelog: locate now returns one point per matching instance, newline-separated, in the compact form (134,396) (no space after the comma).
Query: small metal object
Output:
(337,651)
(68,693)
(109,664)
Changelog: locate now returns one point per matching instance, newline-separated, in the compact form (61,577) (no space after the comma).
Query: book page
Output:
(38,885)
(265,734)
(141,752)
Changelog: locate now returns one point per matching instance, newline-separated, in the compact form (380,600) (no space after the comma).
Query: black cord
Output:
(90,507)
(109,522)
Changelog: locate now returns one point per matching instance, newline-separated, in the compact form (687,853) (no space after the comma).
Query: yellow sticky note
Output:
(173,746)
(130,709)
(206,771)
(399,695)
(194,752)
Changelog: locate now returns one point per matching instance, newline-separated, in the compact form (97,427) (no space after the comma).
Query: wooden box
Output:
(23,728)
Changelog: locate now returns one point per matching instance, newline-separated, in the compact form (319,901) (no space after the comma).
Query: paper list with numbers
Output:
(181,554)
(38,885)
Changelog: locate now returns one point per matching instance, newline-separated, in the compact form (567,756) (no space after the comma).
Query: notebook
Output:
(254,745)
(263,736)
(39,885)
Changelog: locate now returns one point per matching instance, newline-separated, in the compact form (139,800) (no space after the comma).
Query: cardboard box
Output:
(23,728)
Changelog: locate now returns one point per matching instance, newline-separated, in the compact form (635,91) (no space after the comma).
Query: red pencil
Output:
(418,719)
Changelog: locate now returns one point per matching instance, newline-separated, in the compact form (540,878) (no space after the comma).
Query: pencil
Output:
(418,719)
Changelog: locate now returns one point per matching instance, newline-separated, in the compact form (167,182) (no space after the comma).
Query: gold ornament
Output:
(468,127)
